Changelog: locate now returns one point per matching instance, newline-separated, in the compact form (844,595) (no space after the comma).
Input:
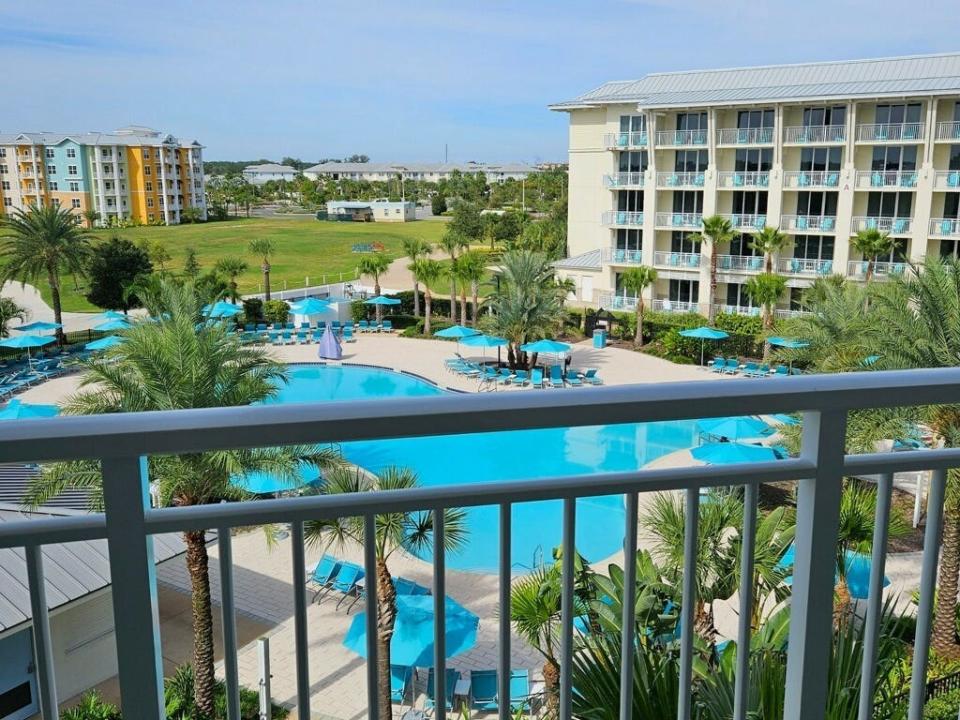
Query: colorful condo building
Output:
(132,174)
(820,150)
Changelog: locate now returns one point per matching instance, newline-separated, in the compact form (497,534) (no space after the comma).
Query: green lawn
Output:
(305,248)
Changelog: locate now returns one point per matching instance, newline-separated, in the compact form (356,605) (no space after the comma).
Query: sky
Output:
(400,81)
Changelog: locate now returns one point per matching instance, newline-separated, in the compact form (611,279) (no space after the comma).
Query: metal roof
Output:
(127,136)
(71,570)
(271,168)
(395,168)
(15,480)
(590,260)
(896,76)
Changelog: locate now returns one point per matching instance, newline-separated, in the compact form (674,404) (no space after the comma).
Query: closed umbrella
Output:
(38,325)
(329,348)
(704,333)
(733,428)
(16,410)
(729,453)
(26,342)
(413,641)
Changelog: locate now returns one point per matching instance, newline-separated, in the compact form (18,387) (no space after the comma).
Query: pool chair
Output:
(469,369)
(363,326)
(536,378)
(484,690)
(336,325)
(590,376)
(556,376)
(274,337)
(286,337)
(289,326)
(305,325)
(249,327)
(346,582)
(506,377)
(717,365)
(762,371)
(317,335)
(520,378)
(321,579)
(450,685)
(732,367)
(400,681)
(781,370)
(489,377)
(750,369)
(348,334)
(573,379)
(386,326)
(261,327)
(302,337)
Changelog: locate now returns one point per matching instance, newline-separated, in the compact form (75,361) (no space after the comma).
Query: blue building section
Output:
(66,166)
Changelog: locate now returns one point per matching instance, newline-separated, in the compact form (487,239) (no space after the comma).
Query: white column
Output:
(164,204)
(118,197)
(36,175)
(775,183)
(846,194)
(923,198)
(203,184)
(101,190)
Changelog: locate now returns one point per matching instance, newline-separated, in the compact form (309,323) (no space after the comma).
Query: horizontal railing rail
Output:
(676,259)
(680,179)
(949,227)
(815,134)
(624,179)
(948,130)
(808,222)
(677,306)
(805,266)
(858,268)
(623,140)
(947,180)
(749,221)
(890,132)
(873,179)
(892,225)
(622,217)
(734,180)
(623,256)
(680,219)
(811,179)
(745,136)
(681,137)
(740,262)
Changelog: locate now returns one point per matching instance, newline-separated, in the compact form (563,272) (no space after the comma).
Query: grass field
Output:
(305,248)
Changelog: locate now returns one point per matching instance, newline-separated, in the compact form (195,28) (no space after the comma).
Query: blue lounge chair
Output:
(573,379)
(363,326)
(274,337)
(732,367)
(781,370)
(348,334)
(286,337)
(289,326)
(718,365)
(450,684)
(346,582)
(323,575)
(519,689)
(750,369)
(506,377)
(336,325)
(536,378)
(590,376)
(520,378)
(317,335)
(483,690)
(261,327)
(386,326)
(302,337)
(556,376)
(400,677)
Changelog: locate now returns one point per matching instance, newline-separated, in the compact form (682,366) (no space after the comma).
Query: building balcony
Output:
(890,133)
(947,180)
(891,225)
(808,223)
(619,181)
(675,306)
(878,180)
(622,256)
(788,313)
(622,217)
(805,266)
(857,269)
(625,140)
(737,310)
(746,222)
(948,132)
(742,180)
(811,179)
(615,301)
(945,227)
(681,138)
(815,135)
(744,136)
(690,221)
(669,180)
(678,260)
(740,263)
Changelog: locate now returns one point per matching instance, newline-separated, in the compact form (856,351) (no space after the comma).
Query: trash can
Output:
(599,338)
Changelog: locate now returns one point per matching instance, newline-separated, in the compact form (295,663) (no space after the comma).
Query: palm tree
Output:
(374,265)
(91,216)
(872,244)
(636,280)
(471,267)
(452,242)
(717,230)
(264,248)
(411,532)
(175,363)
(427,271)
(231,267)
(765,290)
(416,248)
(9,310)
(768,241)
(535,613)
(43,242)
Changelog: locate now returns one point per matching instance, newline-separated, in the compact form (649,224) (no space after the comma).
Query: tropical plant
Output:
(91,706)
(264,249)
(43,242)
(872,244)
(427,271)
(191,215)
(415,248)
(113,268)
(636,280)
(91,216)
(232,267)
(768,241)
(180,704)
(375,264)
(452,243)
(395,532)
(535,614)
(717,231)
(469,269)
(765,290)
(179,362)
(9,310)
(191,266)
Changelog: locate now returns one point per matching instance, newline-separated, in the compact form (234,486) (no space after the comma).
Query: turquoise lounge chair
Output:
(302,337)
(323,575)
(387,326)
(520,378)
(590,376)
(450,684)
(317,335)
(536,378)
(400,677)
(363,326)
(732,367)
(348,334)
(718,365)
(286,338)
(483,690)
(750,369)
(556,376)
(573,379)
(506,377)
(274,337)
(781,370)
(346,581)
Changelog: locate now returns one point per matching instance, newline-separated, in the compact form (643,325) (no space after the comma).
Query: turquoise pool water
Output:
(487,457)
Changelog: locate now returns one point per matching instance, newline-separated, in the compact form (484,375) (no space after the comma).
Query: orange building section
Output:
(66,199)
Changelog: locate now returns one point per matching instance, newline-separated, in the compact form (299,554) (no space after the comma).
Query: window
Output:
(688,201)
(51,169)
(150,217)
(750,202)
(48,152)
(951,206)
(75,203)
(5,185)
(74,187)
(897,114)
(71,169)
(813,247)
(146,169)
(817,203)
(106,152)
(3,169)
(740,246)
(3,152)
(820,159)
(629,239)
(690,161)
(754,160)
(748,119)
(894,158)
(954,156)
(824,116)
(692,121)
(630,200)
(633,123)
(948,249)
(796,299)
(684,290)
(680,242)
(146,154)
(149,202)
(111,202)
(52,186)
(889,204)
(634,161)
(737,296)
(56,202)
(8,201)
(71,152)
(148,186)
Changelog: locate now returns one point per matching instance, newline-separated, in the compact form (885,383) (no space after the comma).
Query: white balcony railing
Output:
(622,256)
(680,260)
(804,223)
(738,180)
(947,131)
(625,140)
(805,266)
(680,179)
(945,227)
(737,310)
(815,134)
(746,222)
(622,217)
(681,138)
(947,180)
(877,179)
(806,179)
(624,180)
(677,306)
(790,313)
(858,269)
(680,220)
(890,132)
(740,263)
(119,443)
(891,225)
(745,136)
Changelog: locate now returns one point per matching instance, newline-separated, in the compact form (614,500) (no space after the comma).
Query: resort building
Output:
(427,172)
(371,210)
(260,174)
(133,173)
(820,150)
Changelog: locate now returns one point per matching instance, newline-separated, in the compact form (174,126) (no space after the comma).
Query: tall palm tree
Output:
(472,267)
(717,230)
(872,244)
(264,248)
(232,267)
(43,242)
(769,241)
(416,248)
(636,280)
(396,532)
(453,242)
(765,290)
(427,271)
(91,216)
(9,310)
(175,363)
(374,265)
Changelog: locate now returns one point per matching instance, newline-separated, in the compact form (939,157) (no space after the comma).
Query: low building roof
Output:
(590,260)
(127,136)
(396,168)
(270,168)
(15,481)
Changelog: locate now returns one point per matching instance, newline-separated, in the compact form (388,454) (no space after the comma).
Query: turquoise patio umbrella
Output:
(221,309)
(858,567)
(104,343)
(112,315)
(38,325)
(456,332)
(381,300)
(788,343)
(704,333)
(729,453)
(27,342)
(309,306)
(412,642)
(16,410)
(546,346)
(486,341)
(734,428)
(113,325)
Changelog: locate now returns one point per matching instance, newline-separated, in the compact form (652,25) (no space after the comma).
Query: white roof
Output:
(395,168)
(589,260)
(270,168)
(133,135)
(883,77)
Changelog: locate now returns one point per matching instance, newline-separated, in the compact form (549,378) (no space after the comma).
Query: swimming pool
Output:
(511,455)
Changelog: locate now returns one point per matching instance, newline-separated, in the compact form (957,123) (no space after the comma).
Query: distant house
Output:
(259,174)
(427,172)
(371,211)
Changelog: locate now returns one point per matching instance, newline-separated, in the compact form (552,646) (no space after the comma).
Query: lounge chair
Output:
(363,326)
(573,379)
(520,378)
(484,690)
(387,326)
(323,575)
(763,371)
(289,326)
(302,337)
(718,365)
(732,367)
(750,369)
(317,335)
(346,582)
(536,378)
(305,325)
(400,678)
(450,685)
(556,376)
(781,370)
(261,327)
(590,376)
(348,334)
(506,376)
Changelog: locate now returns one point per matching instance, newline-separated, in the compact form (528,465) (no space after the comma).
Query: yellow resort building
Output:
(132,174)
(820,150)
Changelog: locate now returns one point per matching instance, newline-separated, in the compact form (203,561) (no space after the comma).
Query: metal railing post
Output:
(42,645)
(134,574)
(300,628)
(503,664)
(229,623)
(811,614)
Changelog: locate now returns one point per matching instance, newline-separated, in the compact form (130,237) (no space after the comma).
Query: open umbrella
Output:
(857,565)
(113,325)
(221,309)
(456,332)
(16,410)
(309,306)
(484,342)
(381,300)
(546,346)
(789,344)
(104,343)
(704,333)
(39,325)
(412,642)
(112,315)
(728,453)
(26,342)
(733,428)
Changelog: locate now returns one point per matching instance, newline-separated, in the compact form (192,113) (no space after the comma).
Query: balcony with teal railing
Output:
(743,180)
(947,180)
(744,136)
(677,260)
(805,266)
(622,217)
(689,180)
(945,227)
(890,132)
(625,140)
(623,256)
(815,135)
(745,221)
(691,221)
(682,138)
(883,179)
(807,223)
(891,225)
(624,180)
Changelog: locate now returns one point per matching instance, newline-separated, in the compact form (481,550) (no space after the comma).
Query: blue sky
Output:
(397,80)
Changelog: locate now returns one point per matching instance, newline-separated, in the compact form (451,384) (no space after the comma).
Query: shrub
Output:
(358,310)
(740,324)
(944,707)
(179,702)
(275,311)
(91,707)
(253,310)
